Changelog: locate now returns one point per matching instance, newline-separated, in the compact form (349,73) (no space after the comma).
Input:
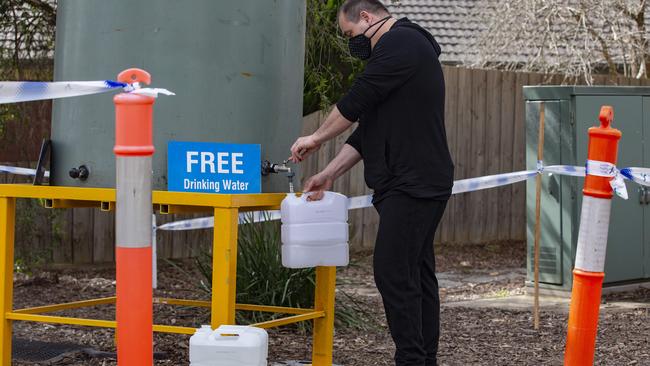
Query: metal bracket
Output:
(44,158)
(643,195)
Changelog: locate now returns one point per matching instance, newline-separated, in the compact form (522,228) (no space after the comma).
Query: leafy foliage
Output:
(329,68)
(261,279)
(26,49)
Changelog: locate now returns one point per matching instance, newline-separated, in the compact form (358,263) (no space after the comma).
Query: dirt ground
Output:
(470,336)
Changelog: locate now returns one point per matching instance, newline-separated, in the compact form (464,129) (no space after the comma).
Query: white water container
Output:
(314,233)
(229,345)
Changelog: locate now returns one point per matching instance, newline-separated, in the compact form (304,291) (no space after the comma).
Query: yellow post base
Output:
(7,222)
(324,327)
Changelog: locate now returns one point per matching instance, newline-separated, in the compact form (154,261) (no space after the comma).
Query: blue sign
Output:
(213,167)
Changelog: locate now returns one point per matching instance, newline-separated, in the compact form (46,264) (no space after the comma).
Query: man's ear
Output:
(364,15)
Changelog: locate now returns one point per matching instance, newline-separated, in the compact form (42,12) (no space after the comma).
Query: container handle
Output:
(307,194)
(225,335)
(232,328)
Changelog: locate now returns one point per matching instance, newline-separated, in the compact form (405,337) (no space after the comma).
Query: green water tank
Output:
(236,68)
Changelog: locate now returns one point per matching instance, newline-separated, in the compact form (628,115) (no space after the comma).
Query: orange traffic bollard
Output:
(134,150)
(589,268)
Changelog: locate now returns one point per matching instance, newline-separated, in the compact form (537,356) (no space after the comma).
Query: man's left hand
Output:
(318,184)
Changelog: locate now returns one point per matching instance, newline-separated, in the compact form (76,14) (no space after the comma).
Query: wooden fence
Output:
(484,116)
(484,119)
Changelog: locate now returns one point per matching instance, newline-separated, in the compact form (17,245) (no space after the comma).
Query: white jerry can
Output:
(315,233)
(229,345)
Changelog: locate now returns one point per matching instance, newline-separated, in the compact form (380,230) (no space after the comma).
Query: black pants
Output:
(404,267)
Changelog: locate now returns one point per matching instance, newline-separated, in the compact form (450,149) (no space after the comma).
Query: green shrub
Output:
(262,280)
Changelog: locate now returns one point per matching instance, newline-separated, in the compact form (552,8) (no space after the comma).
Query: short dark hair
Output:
(352,8)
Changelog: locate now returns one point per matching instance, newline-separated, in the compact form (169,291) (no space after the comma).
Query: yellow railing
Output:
(226,209)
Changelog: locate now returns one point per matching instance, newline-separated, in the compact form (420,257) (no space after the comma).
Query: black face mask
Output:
(360,46)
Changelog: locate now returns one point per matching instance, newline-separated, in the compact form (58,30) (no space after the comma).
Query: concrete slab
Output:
(607,289)
(547,303)
(451,280)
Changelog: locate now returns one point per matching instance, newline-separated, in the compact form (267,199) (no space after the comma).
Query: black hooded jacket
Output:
(399,101)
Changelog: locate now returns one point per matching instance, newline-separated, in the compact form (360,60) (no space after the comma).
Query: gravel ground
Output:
(469,336)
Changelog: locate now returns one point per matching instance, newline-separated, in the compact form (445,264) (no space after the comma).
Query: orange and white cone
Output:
(589,268)
(134,150)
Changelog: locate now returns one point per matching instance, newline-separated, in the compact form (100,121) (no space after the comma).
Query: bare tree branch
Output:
(576,38)
(46,8)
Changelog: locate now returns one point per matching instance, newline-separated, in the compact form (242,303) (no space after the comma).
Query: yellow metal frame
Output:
(226,209)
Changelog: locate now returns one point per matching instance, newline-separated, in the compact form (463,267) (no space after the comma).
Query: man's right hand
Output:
(318,184)
(303,146)
(333,126)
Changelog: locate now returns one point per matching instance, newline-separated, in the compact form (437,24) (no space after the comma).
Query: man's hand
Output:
(333,126)
(303,147)
(318,184)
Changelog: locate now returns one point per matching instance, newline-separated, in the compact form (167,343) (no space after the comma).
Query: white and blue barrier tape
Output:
(637,175)
(604,169)
(208,222)
(20,171)
(25,91)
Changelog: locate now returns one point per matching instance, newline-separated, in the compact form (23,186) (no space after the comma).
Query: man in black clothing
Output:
(398,101)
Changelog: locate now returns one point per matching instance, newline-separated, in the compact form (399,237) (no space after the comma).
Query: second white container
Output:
(229,345)
(315,233)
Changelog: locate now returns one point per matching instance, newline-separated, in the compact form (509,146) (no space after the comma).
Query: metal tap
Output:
(268,167)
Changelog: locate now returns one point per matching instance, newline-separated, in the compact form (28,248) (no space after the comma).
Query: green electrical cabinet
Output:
(569,112)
